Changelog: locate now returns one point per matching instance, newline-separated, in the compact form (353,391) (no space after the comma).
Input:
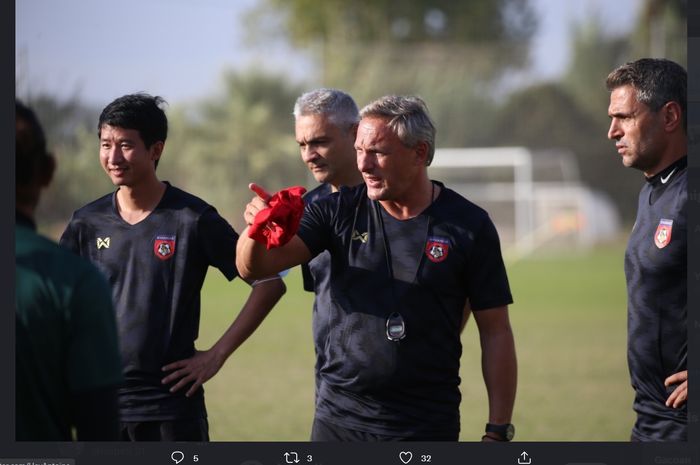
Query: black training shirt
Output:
(156,269)
(369,383)
(656,271)
(316,274)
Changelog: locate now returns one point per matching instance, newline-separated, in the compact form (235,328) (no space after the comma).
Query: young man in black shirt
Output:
(407,254)
(648,124)
(155,242)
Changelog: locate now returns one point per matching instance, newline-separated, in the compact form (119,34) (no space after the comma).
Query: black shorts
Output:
(177,430)
(326,431)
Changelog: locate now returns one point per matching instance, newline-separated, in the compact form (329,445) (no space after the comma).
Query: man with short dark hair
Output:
(406,254)
(155,242)
(648,113)
(67,358)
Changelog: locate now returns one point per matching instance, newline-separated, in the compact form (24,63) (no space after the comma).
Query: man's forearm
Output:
(194,371)
(248,256)
(263,297)
(499,368)
(254,261)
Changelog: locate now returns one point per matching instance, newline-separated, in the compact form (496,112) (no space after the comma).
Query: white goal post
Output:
(466,176)
(535,199)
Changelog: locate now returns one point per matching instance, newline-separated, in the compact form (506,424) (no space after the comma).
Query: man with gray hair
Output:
(648,108)
(325,126)
(407,255)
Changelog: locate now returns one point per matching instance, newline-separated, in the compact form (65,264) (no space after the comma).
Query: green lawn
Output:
(569,321)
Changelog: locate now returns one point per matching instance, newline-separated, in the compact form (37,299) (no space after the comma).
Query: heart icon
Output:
(405,457)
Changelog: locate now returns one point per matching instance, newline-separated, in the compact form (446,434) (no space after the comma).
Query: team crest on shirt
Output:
(662,236)
(437,248)
(164,247)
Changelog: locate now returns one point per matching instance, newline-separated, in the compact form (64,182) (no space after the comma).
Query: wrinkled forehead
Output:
(374,125)
(374,132)
(625,91)
(371,128)
(623,98)
(313,121)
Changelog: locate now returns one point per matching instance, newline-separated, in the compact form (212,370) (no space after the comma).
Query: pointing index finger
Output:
(262,193)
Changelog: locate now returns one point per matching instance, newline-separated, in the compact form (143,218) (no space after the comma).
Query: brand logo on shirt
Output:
(662,236)
(665,180)
(437,248)
(102,243)
(164,247)
(356,236)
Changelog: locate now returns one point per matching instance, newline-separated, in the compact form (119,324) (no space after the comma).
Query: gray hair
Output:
(656,82)
(335,104)
(408,118)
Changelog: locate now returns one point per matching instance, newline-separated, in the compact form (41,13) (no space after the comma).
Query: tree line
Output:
(456,55)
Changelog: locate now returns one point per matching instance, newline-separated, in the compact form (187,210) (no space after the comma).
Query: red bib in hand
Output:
(277,224)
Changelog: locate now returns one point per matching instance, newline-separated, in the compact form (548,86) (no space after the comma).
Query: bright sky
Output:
(551,52)
(99,49)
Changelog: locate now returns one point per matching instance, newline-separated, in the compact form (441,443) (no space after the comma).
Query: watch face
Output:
(506,432)
(510,432)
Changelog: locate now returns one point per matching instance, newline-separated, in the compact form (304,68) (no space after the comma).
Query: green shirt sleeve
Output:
(92,325)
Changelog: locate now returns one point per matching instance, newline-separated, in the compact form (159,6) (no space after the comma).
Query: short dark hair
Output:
(656,81)
(30,144)
(141,112)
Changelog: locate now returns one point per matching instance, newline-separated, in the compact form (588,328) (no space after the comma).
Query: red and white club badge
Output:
(437,248)
(662,236)
(164,247)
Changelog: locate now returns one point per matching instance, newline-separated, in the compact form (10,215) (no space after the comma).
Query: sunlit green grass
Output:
(569,321)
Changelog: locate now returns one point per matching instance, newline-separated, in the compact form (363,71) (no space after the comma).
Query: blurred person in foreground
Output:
(648,112)
(406,254)
(67,356)
(155,242)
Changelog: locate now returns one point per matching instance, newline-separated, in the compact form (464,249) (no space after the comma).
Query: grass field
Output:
(569,320)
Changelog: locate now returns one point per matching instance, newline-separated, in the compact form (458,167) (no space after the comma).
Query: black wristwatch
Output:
(504,432)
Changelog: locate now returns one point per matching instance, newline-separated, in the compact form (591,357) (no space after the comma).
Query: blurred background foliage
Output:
(463,58)
(467,60)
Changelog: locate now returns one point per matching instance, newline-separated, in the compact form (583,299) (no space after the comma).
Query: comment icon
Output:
(177,456)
